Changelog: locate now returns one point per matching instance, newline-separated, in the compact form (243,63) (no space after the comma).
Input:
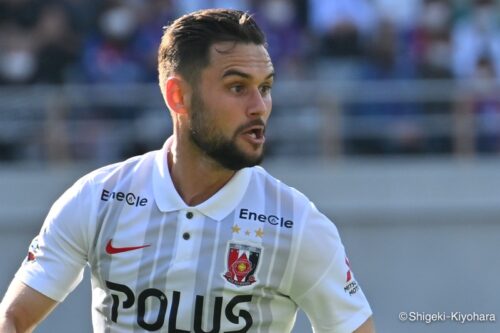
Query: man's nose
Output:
(258,104)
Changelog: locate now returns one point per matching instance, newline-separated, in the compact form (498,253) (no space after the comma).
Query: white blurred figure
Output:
(475,36)
(18,63)
(326,14)
(343,27)
(486,106)
(403,14)
(433,46)
(186,6)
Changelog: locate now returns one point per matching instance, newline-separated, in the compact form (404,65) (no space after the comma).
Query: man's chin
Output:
(253,155)
(243,160)
(251,150)
(232,155)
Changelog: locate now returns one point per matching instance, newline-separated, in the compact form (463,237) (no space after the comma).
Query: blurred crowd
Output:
(115,41)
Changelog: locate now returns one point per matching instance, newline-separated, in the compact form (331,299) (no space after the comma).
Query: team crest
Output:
(242,263)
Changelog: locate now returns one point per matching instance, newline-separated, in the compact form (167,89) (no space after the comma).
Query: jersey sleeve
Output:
(57,256)
(323,284)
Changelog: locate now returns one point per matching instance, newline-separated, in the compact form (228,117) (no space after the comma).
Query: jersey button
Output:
(189,215)
(186,235)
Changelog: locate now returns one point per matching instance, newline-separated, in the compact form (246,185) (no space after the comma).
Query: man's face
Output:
(231,104)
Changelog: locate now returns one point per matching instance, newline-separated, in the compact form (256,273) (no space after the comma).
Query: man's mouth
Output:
(255,134)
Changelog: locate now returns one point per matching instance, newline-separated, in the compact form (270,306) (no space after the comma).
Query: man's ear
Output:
(177,95)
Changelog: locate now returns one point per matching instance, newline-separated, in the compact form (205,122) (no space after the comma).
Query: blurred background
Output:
(386,114)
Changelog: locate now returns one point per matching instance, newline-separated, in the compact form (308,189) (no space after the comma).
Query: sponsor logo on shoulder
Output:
(33,251)
(129,198)
(351,286)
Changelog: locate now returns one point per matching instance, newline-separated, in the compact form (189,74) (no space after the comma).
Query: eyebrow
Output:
(235,72)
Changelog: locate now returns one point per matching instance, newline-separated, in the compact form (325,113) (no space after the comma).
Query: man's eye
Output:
(265,90)
(237,89)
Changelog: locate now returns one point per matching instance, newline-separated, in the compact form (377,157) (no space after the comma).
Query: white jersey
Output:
(243,261)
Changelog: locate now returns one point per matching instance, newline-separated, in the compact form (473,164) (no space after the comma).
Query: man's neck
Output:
(195,176)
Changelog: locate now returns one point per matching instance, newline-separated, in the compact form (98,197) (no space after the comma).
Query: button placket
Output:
(186,230)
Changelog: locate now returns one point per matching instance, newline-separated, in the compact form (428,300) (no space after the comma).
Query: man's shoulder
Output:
(120,171)
(274,184)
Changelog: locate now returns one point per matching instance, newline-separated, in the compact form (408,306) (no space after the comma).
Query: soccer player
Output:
(195,237)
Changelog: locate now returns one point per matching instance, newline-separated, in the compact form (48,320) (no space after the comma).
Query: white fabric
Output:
(245,259)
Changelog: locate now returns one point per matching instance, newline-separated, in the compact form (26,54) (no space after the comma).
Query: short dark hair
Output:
(185,44)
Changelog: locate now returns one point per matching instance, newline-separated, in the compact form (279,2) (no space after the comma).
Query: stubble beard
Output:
(213,143)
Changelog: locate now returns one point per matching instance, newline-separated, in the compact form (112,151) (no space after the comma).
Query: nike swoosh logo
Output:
(110,249)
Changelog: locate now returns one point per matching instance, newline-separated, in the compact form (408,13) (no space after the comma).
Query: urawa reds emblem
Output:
(242,263)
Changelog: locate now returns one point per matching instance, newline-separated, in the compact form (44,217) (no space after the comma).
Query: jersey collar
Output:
(216,207)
